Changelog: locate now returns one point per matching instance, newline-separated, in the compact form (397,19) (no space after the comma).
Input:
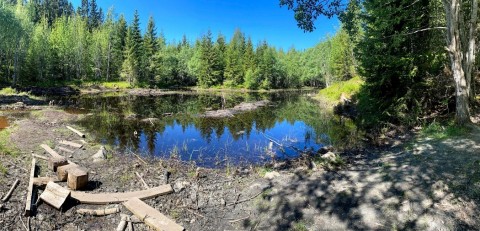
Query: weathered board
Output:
(110,198)
(62,171)
(54,163)
(151,216)
(43,181)
(71,144)
(77,178)
(76,131)
(51,151)
(28,202)
(55,195)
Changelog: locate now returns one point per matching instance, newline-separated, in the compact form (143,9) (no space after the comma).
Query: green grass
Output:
(6,148)
(438,130)
(119,85)
(332,93)
(3,170)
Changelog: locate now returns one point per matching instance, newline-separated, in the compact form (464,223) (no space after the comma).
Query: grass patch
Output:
(3,170)
(443,131)
(261,171)
(8,91)
(6,148)
(117,85)
(332,93)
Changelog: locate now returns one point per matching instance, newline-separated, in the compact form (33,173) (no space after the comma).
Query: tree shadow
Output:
(428,186)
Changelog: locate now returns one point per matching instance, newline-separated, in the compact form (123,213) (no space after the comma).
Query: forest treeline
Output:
(417,58)
(50,42)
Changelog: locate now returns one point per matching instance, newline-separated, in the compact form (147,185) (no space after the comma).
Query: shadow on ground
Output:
(427,185)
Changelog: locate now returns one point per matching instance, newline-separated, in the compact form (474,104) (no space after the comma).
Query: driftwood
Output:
(51,151)
(110,198)
(55,195)
(151,216)
(76,131)
(71,144)
(7,196)
(141,179)
(98,212)
(28,202)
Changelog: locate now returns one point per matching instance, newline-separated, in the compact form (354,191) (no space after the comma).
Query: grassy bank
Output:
(331,94)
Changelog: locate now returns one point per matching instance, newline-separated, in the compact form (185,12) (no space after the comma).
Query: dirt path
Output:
(426,184)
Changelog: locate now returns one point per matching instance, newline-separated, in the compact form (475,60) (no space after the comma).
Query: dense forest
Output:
(407,53)
(50,42)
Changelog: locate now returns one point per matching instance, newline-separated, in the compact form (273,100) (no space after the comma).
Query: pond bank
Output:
(422,183)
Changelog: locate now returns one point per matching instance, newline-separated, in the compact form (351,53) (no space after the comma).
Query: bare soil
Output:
(423,184)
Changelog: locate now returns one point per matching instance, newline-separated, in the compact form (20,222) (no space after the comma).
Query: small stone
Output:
(180,185)
(70,156)
(329,156)
(192,221)
(271,175)
(223,202)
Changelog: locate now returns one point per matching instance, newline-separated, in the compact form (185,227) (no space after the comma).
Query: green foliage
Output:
(332,93)
(6,147)
(442,131)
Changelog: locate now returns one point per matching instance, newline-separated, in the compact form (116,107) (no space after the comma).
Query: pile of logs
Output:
(76,177)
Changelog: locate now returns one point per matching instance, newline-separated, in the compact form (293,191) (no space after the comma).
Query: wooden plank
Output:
(77,178)
(42,181)
(71,144)
(76,131)
(51,151)
(40,157)
(110,198)
(55,195)
(151,216)
(66,150)
(28,202)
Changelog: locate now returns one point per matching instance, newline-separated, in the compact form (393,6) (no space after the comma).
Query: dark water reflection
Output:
(169,126)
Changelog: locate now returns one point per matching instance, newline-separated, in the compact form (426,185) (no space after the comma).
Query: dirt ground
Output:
(423,184)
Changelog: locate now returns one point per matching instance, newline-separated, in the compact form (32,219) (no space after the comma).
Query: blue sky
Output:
(260,19)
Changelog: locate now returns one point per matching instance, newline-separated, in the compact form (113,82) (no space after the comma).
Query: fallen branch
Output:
(198,214)
(76,131)
(141,179)
(6,197)
(240,219)
(140,158)
(244,200)
(98,212)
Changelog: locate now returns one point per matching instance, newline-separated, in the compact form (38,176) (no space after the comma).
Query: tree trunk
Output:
(452,10)
(471,49)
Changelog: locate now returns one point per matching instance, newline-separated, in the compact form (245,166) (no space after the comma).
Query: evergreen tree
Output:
(150,48)
(234,68)
(210,72)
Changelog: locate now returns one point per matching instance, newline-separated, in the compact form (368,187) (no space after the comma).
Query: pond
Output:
(172,126)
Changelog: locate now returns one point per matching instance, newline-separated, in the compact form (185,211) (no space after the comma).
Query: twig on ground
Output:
(7,196)
(240,219)
(141,179)
(244,200)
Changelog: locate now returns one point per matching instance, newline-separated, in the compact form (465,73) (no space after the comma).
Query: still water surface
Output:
(172,126)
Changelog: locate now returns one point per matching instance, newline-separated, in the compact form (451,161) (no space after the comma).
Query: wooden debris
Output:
(66,150)
(62,171)
(54,163)
(42,181)
(77,178)
(141,179)
(76,131)
(151,216)
(110,198)
(130,226)
(55,195)
(71,144)
(7,196)
(40,157)
(123,223)
(28,202)
(51,151)
(98,212)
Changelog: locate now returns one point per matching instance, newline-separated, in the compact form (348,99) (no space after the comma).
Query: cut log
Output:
(51,151)
(54,163)
(71,144)
(151,216)
(111,198)
(76,131)
(9,194)
(62,171)
(98,212)
(123,223)
(77,178)
(28,202)
(43,181)
(66,150)
(55,195)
